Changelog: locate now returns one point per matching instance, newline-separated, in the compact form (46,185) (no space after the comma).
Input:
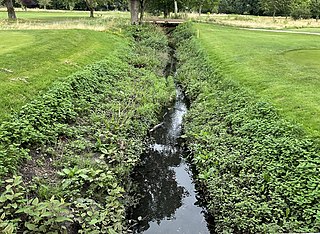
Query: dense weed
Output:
(260,172)
(65,158)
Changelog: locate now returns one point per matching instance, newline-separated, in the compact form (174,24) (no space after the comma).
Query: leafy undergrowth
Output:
(260,172)
(65,158)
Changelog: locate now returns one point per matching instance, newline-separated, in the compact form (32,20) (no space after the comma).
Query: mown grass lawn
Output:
(279,67)
(59,14)
(32,59)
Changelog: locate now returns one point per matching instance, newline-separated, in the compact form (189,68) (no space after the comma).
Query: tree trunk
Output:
(134,10)
(142,9)
(175,7)
(200,9)
(90,5)
(10,9)
(45,7)
(166,13)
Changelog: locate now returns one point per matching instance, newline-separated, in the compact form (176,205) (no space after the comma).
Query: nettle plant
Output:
(17,210)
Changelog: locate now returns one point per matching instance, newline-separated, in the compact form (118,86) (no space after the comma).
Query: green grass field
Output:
(32,59)
(279,67)
(55,14)
(41,15)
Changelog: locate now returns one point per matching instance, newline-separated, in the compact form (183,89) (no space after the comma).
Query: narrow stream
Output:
(169,201)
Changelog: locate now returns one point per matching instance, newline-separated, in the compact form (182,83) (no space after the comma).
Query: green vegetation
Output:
(66,157)
(279,67)
(33,59)
(259,171)
(40,15)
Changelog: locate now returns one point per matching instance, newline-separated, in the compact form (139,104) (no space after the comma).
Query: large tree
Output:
(134,10)
(44,3)
(91,4)
(69,4)
(315,8)
(163,6)
(10,9)
(270,6)
(199,4)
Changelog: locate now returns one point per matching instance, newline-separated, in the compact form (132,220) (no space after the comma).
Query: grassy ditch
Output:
(260,171)
(65,158)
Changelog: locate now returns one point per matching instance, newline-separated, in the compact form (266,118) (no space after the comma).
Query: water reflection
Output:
(160,191)
(168,201)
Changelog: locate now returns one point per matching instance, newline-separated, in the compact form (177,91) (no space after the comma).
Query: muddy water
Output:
(168,201)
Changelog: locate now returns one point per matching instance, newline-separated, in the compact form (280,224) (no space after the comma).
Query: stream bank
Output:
(260,171)
(65,158)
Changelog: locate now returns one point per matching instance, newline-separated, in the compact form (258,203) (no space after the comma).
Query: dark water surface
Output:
(168,196)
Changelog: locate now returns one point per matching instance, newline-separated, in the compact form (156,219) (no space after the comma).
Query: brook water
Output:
(169,200)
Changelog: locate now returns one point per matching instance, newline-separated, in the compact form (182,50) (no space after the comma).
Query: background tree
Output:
(251,7)
(69,4)
(164,6)
(142,8)
(22,4)
(300,9)
(44,3)
(270,6)
(134,10)
(315,8)
(10,9)
(91,4)
(285,7)
(200,4)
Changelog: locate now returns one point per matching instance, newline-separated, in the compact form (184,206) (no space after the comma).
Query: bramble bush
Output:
(260,171)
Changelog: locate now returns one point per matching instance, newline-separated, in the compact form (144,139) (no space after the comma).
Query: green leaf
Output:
(52,198)
(9,186)
(35,201)
(62,219)
(287,212)
(9,229)
(9,180)
(3,199)
(94,221)
(104,151)
(30,226)
(66,171)
(14,205)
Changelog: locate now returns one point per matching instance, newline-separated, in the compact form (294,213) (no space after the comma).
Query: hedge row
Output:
(260,172)
(65,158)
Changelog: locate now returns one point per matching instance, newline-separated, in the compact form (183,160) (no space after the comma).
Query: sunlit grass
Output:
(280,67)
(250,21)
(55,19)
(32,59)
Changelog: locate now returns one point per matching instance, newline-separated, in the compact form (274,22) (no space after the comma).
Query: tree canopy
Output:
(295,8)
